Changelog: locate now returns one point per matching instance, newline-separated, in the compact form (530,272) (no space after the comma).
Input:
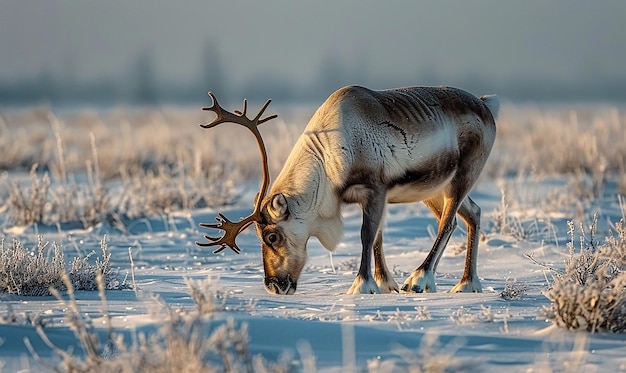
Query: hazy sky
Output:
(392,40)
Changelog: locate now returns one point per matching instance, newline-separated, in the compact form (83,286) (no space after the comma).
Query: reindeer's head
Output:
(283,240)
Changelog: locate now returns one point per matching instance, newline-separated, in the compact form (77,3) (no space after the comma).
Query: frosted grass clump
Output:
(514,290)
(143,194)
(34,272)
(590,293)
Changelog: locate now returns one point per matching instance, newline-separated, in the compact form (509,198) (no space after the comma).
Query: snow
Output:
(482,332)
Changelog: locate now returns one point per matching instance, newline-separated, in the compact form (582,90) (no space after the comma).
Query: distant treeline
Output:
(52,91)
(142,85)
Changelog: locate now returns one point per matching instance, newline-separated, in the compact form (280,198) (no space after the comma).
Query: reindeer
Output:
(372,148)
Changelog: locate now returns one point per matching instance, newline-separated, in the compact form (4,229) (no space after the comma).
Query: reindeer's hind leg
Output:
(470,213)
(382,275)
(423,278)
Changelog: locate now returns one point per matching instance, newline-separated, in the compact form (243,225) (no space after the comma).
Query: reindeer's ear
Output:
(278,208)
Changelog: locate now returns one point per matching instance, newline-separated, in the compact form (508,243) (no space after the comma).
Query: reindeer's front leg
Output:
(373,205)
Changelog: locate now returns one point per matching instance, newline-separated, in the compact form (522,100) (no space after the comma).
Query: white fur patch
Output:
(409,193)
(329,232)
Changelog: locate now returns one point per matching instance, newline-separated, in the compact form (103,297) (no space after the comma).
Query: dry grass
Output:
(561,139)
(152,162)
(504,223)
(531,141)
(128,140)
(160,161)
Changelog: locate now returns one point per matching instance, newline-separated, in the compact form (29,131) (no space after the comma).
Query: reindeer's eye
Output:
(271,238)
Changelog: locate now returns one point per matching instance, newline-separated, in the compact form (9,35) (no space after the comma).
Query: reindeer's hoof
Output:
(417,288)
(471,285)
(388,287)
(361,286)
(420,281)
(387,284)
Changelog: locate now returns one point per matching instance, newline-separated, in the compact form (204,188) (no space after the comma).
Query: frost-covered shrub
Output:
(591,292)
(28,206)
(34,272)
(44,203)
(514,290)
(144,194)
(505,224)
(148,193)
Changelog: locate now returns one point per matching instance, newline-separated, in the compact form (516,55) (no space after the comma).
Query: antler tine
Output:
(258,117)
(213,102)
(216,108)
(224,116)
(245,108)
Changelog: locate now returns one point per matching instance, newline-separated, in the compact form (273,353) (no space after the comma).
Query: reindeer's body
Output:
(377,147)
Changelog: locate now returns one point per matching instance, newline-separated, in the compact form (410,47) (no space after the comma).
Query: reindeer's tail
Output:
(493,103)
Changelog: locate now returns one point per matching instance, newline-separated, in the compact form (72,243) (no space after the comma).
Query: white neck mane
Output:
(310,194)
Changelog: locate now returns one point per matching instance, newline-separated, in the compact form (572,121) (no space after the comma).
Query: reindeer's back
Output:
(409,105)
(397,129)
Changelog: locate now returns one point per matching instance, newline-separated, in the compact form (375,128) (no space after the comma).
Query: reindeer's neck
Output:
(311,195)
(304,181)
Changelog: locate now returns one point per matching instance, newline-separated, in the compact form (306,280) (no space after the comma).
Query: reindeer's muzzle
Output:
(275,285)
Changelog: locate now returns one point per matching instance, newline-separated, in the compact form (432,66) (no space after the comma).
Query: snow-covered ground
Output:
(476,332)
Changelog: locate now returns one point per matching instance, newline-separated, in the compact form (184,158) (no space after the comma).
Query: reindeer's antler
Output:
(231,229)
